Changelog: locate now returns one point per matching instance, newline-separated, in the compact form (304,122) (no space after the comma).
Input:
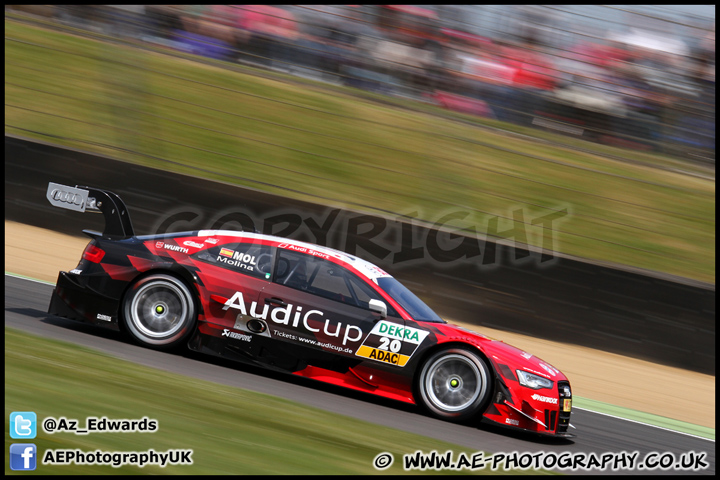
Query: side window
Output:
(365,292)
(295,270)
(248,258)
(324,278)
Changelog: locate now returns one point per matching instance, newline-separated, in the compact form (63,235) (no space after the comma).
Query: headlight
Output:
(533,381)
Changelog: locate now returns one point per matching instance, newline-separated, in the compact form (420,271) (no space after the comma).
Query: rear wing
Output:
(88,199)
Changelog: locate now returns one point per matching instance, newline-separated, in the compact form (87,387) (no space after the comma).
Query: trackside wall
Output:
(640,314)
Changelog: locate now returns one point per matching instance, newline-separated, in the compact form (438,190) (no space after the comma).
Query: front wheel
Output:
(159,311)
(454,384)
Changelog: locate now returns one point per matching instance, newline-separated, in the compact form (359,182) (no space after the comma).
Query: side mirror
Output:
(378,306)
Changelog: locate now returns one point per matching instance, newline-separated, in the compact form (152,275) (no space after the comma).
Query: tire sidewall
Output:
(172,340)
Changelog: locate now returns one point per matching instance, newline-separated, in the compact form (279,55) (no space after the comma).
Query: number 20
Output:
(394,344)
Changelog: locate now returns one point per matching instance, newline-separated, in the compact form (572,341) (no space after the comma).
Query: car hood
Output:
(500,353)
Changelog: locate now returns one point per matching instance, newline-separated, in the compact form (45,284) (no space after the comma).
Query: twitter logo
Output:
(23,425)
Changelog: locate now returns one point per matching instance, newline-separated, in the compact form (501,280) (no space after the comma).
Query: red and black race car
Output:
(300,308)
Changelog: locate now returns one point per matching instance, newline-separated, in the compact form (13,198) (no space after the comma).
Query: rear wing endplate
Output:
(82,199)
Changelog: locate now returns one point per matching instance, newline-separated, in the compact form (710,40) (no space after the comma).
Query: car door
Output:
(319,310)
(232,276)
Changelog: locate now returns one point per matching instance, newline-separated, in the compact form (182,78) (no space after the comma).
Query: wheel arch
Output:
(453,344)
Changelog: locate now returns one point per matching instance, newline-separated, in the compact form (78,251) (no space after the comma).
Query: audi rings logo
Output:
(67,197)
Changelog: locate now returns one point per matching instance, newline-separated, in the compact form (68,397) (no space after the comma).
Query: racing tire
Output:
(159,311)
(454,384)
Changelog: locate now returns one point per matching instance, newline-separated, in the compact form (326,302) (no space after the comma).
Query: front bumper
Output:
(540,418)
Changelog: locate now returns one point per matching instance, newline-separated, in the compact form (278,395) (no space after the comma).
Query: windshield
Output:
(412,304)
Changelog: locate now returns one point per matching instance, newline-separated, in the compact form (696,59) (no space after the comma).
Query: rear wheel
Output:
(159,311)
(454,384)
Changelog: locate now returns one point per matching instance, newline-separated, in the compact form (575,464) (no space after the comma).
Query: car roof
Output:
(369,270)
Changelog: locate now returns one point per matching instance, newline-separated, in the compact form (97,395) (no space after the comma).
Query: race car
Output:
(298,308)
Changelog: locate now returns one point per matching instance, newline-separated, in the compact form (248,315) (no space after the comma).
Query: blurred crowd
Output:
(634,88)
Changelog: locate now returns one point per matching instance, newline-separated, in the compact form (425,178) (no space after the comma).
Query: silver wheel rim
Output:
(454,382)
(159,309)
